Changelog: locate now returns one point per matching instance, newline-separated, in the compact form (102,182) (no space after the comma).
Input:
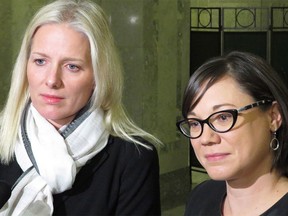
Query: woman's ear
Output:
(276,118)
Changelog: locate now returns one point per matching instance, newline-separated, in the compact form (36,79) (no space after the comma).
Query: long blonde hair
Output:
(88,18)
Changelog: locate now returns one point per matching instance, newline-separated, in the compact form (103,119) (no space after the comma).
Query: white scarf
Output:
(58,160)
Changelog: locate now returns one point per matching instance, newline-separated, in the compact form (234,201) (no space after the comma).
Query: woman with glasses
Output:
(235,115)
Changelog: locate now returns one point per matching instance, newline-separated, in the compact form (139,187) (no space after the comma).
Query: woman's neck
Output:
(255,197)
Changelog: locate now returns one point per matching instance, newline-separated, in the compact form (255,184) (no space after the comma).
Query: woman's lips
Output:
(216,156)
(51,99)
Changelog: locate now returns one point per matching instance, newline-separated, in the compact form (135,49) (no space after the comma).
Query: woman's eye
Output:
(73,67)
(40,61)
(194,124)
(224,117)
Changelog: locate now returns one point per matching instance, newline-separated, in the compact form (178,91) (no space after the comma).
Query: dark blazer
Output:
(123,179)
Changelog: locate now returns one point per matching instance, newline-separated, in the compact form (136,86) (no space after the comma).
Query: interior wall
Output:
(5,51)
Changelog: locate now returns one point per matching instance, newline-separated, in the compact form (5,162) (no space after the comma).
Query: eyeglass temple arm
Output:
(258,103)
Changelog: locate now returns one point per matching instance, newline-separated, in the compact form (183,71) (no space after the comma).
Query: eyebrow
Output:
(65,59)
(214,108)
(38,53)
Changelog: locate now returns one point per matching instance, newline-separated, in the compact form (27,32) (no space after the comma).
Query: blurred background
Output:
(161,43)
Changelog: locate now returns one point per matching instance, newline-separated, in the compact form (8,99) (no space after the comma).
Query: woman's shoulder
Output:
(126,155)
(128,147)
(206,198)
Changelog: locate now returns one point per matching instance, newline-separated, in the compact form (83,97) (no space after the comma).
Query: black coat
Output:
(207,200)
(123,179)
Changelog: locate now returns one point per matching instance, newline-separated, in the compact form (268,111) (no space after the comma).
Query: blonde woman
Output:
(65,139)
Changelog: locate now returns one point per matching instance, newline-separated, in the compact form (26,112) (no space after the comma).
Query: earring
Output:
(274,144)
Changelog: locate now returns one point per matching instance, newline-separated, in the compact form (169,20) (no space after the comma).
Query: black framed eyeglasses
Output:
(221,121)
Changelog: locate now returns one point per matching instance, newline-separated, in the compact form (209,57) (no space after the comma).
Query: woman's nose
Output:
(209,136)
(53,79)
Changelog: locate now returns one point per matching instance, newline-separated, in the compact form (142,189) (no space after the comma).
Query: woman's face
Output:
(243,152)
(59,72)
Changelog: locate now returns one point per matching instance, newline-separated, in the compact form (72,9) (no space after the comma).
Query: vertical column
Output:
(173,25)
(153,39)
(127,26)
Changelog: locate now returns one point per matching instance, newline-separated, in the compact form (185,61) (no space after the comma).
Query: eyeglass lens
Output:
(219,122)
